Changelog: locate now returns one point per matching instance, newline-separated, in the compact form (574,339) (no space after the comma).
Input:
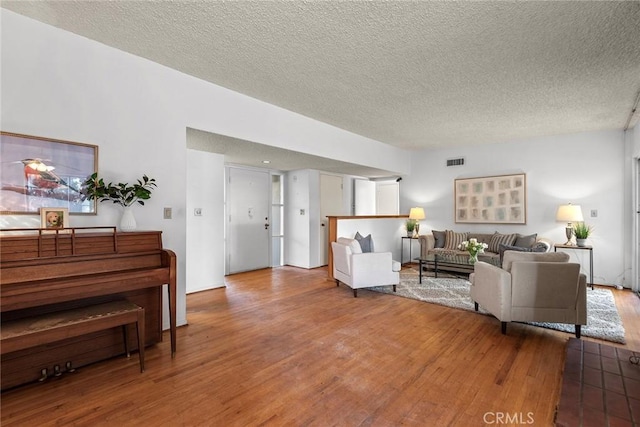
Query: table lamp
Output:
(569,213)
(417,214)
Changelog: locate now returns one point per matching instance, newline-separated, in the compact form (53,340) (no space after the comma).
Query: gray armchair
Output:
(532,287)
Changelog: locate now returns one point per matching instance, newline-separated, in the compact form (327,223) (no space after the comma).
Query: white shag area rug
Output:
(603,320)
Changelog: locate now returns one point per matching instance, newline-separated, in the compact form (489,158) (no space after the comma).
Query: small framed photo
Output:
(54,218)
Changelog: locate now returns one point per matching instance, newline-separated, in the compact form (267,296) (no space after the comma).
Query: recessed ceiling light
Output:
(266,162)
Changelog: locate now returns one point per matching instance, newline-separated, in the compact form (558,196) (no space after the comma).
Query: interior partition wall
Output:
(635,256)
(277,219)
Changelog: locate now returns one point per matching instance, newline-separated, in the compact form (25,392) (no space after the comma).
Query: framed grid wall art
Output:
(491,200)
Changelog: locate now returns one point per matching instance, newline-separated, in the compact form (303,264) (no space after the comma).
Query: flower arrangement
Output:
(474,248)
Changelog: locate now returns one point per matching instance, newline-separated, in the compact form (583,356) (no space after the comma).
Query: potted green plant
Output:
(582,231)
(123,194)
(410,224)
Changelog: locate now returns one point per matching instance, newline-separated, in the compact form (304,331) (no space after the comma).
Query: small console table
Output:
(586,248)
(410,239)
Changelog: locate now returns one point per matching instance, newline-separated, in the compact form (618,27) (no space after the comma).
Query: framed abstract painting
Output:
(491,200)
(42,172)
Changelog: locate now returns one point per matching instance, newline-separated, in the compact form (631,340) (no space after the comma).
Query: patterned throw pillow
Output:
(504,248)
(497,239)
(541,247)
(453,239)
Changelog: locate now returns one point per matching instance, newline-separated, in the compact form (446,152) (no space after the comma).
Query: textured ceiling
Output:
(410,74)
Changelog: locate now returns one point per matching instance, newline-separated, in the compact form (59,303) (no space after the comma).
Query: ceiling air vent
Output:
(455,162)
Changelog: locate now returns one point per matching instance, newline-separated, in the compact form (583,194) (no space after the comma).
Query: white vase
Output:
(128,221)
(581,242)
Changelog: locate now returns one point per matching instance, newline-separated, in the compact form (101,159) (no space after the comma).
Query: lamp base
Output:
(568,231)
(417,228)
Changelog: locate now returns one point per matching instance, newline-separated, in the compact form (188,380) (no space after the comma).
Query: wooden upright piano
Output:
(44,271)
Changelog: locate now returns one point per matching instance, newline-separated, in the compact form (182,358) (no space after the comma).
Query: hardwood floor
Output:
(287,347)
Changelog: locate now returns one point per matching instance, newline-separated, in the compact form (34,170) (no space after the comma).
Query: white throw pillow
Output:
(352,243)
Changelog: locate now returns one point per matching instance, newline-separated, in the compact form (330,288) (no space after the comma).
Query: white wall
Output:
(585,169)
(59,85)
(632,207)
(205,238)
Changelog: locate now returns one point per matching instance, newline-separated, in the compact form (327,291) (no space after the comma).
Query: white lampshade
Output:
(569,213)
(416,213)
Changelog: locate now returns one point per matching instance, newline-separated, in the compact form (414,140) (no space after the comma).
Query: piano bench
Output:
(48,328)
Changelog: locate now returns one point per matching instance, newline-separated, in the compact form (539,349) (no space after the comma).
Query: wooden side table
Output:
(410,239)
(586,248)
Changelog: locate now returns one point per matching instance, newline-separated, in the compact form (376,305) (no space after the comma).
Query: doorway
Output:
(248,207)
(387,198)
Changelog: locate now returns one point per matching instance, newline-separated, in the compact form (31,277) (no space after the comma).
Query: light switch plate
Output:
(594,213)
(167,213)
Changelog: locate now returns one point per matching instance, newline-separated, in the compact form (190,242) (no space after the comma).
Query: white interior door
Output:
(248,204)
(387,198)
(331,203)
(365,197)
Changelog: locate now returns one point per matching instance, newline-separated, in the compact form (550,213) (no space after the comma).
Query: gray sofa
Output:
(447,243)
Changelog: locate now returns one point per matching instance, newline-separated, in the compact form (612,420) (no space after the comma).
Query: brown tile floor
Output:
(600,387)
